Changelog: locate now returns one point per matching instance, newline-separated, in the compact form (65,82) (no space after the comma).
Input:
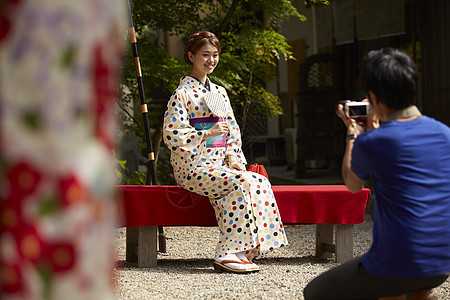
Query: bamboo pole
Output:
(144,110)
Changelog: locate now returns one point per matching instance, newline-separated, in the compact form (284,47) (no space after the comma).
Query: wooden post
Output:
(342,245)
(344,242)
(147,246)
(324,237)
(131,244)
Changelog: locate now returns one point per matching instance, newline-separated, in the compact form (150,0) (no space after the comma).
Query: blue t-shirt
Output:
(410,166)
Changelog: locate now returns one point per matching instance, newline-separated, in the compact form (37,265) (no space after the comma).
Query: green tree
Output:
(251,48)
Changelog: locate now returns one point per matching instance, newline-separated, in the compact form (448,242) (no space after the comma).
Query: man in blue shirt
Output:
(408,157)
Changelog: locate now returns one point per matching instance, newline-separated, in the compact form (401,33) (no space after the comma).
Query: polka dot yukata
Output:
(244,204)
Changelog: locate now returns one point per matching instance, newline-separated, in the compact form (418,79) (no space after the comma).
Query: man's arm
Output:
(351,180)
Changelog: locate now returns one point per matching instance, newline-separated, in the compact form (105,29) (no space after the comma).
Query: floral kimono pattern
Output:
(59,72)
(244,204)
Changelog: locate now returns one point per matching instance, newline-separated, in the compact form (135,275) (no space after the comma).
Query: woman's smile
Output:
(204,61)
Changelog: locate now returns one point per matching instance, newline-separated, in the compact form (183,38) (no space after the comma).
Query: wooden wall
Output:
(435,48)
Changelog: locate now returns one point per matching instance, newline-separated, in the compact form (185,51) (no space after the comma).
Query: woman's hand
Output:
(233,163)
(218,129)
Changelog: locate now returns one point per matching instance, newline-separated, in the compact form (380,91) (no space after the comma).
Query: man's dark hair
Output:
(391,75)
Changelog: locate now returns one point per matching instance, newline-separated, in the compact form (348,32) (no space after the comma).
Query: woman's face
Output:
(205,60)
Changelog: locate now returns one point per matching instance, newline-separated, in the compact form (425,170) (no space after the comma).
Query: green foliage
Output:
(122,177)
(418,55)
(249,60)
(248,33)
(251,47)
(173,16)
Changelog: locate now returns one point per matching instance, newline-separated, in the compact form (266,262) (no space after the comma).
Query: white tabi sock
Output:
(244,258)
(236,266)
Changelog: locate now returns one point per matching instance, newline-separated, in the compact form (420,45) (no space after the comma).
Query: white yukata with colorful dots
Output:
(244,204)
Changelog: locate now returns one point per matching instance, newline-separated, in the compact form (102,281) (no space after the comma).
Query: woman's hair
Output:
(391,75)
(197,40)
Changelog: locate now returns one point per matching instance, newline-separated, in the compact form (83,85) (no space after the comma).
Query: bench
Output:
(332,208)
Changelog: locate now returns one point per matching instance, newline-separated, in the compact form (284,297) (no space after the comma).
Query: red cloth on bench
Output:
(172,205)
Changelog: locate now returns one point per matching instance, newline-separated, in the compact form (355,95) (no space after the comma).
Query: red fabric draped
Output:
(172,205)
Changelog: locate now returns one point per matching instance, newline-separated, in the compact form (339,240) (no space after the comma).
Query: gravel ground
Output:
(186,271)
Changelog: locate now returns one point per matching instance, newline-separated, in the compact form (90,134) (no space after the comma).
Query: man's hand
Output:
(351,180)
(353,127)
(359,125)
(218,129)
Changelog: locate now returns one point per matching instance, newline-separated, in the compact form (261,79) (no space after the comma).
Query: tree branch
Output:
(227,18)
(247,100)
(130,116)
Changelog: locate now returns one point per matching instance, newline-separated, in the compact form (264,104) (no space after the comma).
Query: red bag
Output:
(257,168)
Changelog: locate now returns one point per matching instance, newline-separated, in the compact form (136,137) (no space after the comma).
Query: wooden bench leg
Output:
(131,244)
(344,242)
(324,240)
(341,245)
(147,250)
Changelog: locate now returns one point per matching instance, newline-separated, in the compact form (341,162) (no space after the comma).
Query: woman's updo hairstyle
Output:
(197,40)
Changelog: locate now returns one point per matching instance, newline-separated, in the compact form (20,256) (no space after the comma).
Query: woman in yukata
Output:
(207,159)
